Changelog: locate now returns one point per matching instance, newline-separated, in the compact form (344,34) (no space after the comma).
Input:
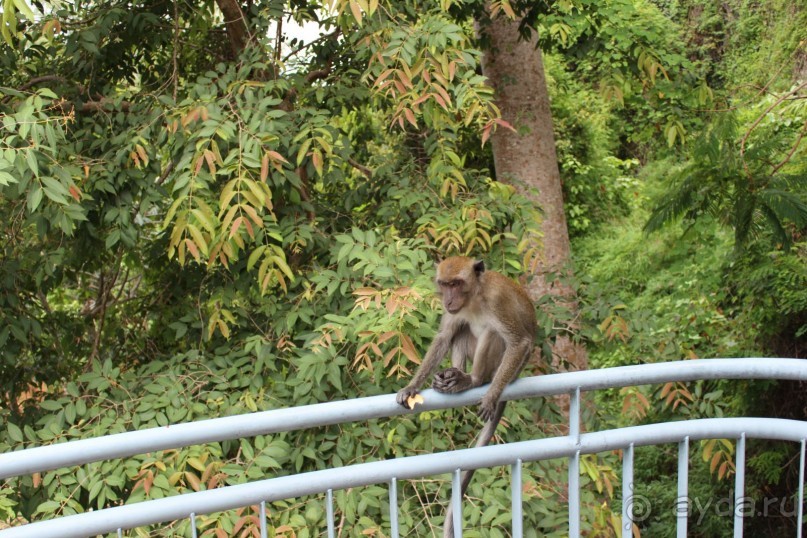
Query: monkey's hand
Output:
(404,395)
(451,381)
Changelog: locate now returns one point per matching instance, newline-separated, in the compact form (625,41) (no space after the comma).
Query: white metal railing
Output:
(571,446)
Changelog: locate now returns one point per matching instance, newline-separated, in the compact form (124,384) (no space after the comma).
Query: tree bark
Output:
(236,24)
(527,158)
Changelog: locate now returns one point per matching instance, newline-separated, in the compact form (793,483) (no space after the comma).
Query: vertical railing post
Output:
(393,507)
(739,487)
(800,500)
(627,492)
(682,502)
(193,524)
(518,517)
(574,466)
(574,495)
(574,416)
(263,520)
(329,513)
(456,500)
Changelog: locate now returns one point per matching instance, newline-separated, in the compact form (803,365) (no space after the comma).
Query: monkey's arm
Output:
(439,349)
(515,356)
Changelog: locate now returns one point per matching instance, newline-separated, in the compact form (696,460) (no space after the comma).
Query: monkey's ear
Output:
(479,267)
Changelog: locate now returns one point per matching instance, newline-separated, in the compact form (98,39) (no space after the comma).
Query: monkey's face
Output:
(457,279)
(454,294)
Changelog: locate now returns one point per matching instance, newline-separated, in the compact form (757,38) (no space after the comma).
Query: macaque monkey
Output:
(489,319)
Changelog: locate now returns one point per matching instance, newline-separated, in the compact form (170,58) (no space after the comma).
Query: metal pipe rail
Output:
(386,471)
(121,445)
(389,471)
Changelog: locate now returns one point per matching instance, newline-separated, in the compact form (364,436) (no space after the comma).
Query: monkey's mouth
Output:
(452,310)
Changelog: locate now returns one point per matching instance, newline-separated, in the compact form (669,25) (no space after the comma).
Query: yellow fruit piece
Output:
(412,400)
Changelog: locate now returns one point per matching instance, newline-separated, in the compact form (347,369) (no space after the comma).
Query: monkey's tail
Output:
(483,440)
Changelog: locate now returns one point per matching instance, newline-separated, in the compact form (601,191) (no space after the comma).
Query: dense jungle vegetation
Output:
(204,216)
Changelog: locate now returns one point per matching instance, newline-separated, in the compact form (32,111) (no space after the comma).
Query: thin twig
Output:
(360,167)
(174,54)
(759,120)
(278,41)
(792,150)
(168,169)
(39,80)
(304,46)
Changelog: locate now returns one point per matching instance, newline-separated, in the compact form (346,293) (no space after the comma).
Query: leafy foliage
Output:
(750,184)
(197,226)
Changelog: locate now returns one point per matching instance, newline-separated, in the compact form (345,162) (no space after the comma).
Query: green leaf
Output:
(303,151)
(7,179)
(50,405)
(23,8)
(55,190)
(112,238)
(33,164)
(255,256)
(48,507)
(14,433)
(70,413)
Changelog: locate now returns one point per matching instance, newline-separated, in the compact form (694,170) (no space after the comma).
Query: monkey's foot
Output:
(487,410)
(451,380)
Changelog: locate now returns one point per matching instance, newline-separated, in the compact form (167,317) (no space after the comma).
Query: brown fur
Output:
(489,319)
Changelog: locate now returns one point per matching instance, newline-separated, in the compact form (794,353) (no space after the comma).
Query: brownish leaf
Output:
(265,167)
(198,165)
(410,116)
(193,481)
(192,248)
(486,133)
(235,226)
(248,226)
(356,10)
(408,349)
(253,214)
(75,193)
(210,157)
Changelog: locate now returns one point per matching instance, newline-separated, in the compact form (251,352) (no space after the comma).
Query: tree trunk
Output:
(236,24)
(527,159)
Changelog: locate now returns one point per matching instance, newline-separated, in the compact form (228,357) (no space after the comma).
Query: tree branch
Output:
(42,80)
(49,78)
(168,169)
(304,46)
(792,150)
(360,167)
(318,74)
(761,117)
(103,103)
(310,78)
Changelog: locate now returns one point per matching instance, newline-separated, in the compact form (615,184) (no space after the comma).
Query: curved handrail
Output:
(364,474)
(126,444)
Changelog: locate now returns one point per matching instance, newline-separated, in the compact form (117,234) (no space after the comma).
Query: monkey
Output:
(489,319)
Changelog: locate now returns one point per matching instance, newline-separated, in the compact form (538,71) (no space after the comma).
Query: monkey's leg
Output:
(484,439)
(513,359)
(486,359)
(454,379)
(463,348)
